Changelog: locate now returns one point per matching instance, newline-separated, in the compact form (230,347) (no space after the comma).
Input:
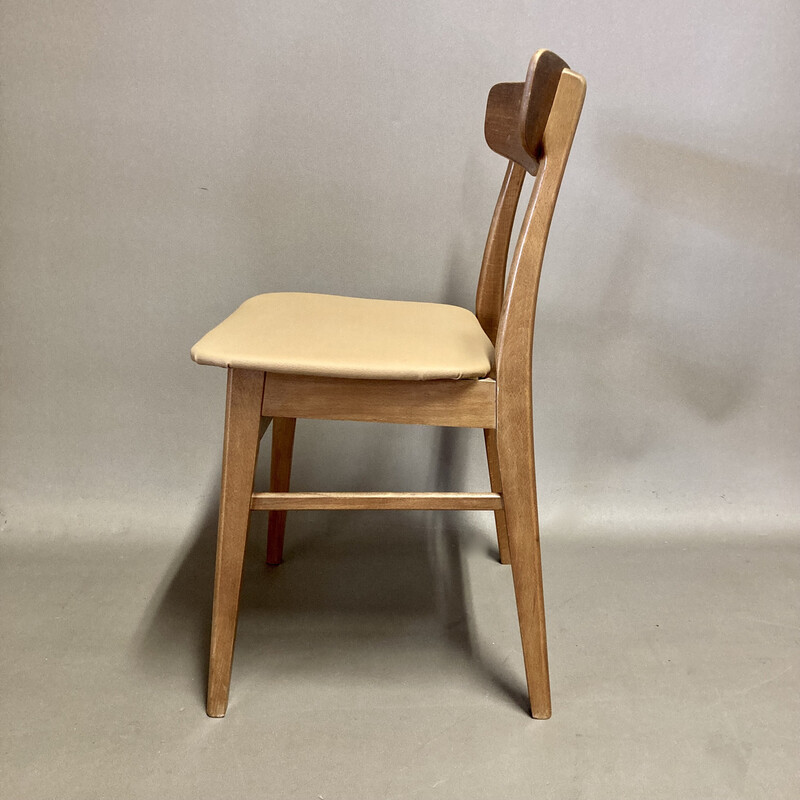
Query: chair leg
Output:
(490,439)
(280,472)
(515,452)
(240,451)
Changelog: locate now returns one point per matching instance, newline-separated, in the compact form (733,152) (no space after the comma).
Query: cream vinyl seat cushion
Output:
(349,337)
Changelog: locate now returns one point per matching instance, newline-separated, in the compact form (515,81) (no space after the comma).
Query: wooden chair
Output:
(325,357)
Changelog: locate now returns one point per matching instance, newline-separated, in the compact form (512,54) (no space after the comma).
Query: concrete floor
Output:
(386,663)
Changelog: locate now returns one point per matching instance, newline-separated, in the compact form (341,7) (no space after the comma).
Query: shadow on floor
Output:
(352,584)
(343,587)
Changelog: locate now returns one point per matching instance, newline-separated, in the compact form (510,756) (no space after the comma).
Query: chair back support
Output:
(532,124)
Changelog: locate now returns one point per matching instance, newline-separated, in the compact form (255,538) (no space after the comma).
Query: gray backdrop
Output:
(161,162)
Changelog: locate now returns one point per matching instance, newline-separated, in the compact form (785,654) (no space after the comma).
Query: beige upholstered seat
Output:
(349,337)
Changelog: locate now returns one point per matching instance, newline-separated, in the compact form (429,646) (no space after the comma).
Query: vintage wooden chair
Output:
(328,357)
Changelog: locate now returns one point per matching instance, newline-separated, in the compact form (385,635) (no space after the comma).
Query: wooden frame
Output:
(532,124)
(431,501)
(460,404)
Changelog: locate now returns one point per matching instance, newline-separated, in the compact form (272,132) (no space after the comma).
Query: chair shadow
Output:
(173,638)
(450,474)
(351,579)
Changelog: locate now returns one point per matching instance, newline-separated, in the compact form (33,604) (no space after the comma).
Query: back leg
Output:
(279,476)
(515,455)
(490,439)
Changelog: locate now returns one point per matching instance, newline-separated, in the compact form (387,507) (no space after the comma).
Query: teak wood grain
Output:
(517,113)
(492,280)
(239,455)
(532,124)
(439,501)
(514,403)
(279,475)
(495,481)
(463,404)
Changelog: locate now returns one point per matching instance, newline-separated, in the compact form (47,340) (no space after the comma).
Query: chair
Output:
(316,356)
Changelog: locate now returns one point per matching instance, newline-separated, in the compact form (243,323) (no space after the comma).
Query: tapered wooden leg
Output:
(280,472)
(515,453)
(490,438)
(240,451)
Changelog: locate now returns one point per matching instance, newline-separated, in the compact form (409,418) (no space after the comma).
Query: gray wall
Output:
(162,161)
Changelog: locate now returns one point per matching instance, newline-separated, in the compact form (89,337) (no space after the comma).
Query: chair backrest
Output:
(532,124)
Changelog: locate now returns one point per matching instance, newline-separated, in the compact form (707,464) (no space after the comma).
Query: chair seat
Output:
(349,337)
